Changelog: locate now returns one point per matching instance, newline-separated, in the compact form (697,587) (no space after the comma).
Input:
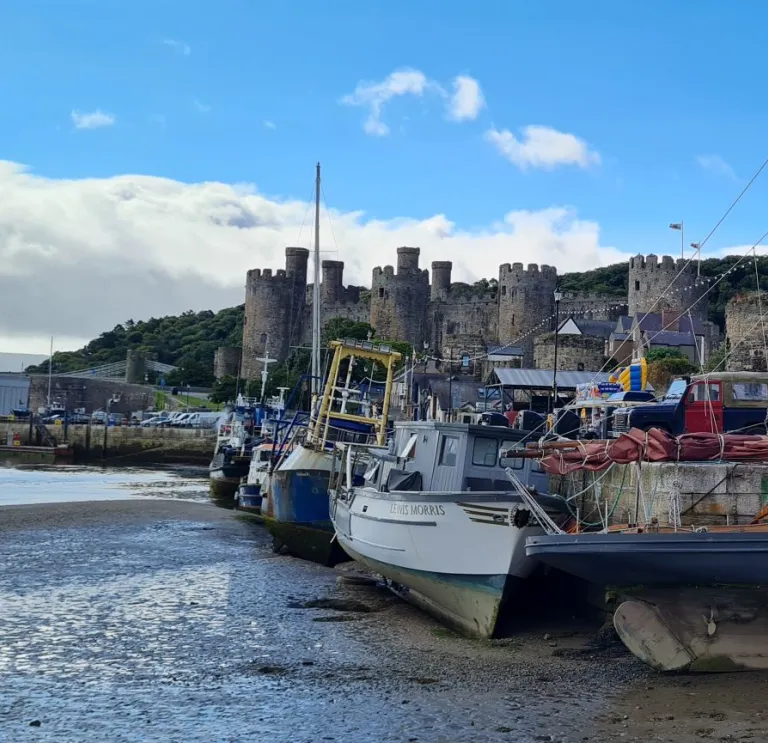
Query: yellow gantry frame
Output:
(341,352)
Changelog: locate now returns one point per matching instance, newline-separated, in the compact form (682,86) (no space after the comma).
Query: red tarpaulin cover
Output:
(657,446)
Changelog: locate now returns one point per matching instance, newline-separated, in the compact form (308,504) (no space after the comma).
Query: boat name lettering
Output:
(416,509)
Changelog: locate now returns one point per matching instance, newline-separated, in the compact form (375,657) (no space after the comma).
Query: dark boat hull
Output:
(313,542)
(670,558)
(225,474)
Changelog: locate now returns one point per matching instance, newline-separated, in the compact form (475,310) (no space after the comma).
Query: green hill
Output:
(189,340)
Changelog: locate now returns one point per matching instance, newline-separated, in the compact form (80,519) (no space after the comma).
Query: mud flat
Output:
(154,620)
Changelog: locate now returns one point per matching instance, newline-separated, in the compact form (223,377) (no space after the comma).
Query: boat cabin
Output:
(451,457)
(708,403)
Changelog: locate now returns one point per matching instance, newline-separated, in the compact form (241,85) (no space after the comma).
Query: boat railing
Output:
(286,435)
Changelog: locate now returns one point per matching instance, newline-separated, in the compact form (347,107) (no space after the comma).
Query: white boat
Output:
(441,520)
(232,454)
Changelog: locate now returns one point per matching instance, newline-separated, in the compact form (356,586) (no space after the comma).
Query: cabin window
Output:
(449,451)
(536,466)
(409,448)
(485,452)
(750,392)
(704,392)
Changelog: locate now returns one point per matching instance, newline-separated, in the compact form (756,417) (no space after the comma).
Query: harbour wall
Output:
(704,493)
(127,444)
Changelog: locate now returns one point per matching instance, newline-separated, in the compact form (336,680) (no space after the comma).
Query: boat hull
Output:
(458,560)
(225,474)
(298,515)
(672,558)
(696,629)
(248,498)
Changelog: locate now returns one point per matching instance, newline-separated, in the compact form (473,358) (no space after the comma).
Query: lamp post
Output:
(558,297)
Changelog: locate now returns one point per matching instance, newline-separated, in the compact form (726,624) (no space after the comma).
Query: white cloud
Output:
(269,124)
(373,96)
(716,164)
(93,120)
(542,147)
(179,47)
(467,99)
(143,246)
(201,107)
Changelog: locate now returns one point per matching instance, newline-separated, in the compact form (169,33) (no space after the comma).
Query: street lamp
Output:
(558,297)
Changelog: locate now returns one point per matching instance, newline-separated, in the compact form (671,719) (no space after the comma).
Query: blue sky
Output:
(663,97)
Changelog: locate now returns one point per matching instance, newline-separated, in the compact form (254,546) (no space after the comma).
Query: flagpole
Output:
(682,239)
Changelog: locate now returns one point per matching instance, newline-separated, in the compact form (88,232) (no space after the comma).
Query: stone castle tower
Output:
(399,300)
(526,300)
(650,278)
(274,310)
(404,305)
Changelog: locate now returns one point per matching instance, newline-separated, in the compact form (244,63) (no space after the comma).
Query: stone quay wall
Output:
(125,444)
(706,493)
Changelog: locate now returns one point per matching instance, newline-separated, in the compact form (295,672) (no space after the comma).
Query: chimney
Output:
(670,320)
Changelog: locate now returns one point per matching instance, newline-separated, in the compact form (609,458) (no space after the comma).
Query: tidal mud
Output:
(154,620)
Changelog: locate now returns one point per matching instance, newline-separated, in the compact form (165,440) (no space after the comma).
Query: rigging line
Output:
(705,240)
(730,208)
(760,302)
(713,284)
(725,357)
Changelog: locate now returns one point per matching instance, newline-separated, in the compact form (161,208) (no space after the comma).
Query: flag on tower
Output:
(676,226)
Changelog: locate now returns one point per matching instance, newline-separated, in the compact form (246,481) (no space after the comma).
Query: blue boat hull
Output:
(300,520)
(249,498)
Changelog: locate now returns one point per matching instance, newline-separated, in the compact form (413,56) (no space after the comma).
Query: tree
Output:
(224,390)
(664,364)
(339,328)
(716,362)
(662,352)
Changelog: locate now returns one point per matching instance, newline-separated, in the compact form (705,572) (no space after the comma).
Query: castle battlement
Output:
(412,304)
(533,271)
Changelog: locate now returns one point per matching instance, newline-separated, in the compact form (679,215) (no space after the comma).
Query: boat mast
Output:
(50,377)
(316,295)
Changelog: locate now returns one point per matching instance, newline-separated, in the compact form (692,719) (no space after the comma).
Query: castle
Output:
(446,318)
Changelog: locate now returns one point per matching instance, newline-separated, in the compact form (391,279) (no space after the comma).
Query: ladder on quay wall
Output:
(45,436)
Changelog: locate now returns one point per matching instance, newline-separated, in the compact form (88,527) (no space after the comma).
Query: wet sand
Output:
(173,621)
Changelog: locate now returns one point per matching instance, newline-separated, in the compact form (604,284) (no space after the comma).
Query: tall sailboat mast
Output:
(316,295)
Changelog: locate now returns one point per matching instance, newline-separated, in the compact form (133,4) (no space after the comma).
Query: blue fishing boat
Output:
(297,512)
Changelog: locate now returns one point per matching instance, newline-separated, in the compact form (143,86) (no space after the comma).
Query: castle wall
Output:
(399,300)
(404,305)
(526,305)
(654,285)
(593,306)
(463,325)
(744,333)
(574,352)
